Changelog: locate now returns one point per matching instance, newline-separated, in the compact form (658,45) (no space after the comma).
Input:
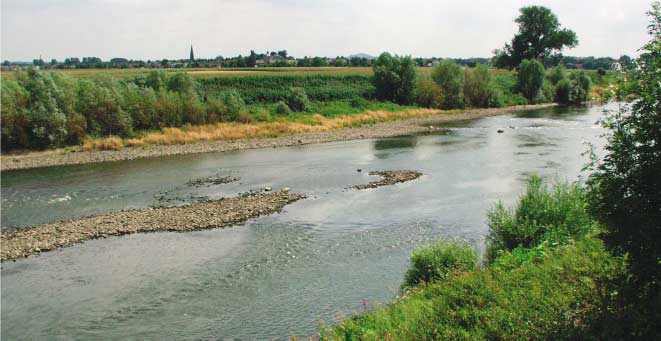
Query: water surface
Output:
(321,259)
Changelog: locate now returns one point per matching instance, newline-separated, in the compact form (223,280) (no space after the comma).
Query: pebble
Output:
(22,242)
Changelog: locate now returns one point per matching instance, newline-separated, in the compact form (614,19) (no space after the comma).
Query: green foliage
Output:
(539,294)
(437,261)
(281,109)
(395,78)
(234,104)
(476,86)
(450,77)
(556,214)
(562,91)
(297,100)
(556,74)
(625,188)
(530,79)
(271,89)
(430,95)
(539,37)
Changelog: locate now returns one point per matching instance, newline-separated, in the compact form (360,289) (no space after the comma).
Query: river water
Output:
(334,254)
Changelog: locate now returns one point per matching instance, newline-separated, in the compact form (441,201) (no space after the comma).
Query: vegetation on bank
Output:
(52,109)
(575,261)
(546,278)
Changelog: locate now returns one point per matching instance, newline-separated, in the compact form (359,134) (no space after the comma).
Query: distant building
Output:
(192,56)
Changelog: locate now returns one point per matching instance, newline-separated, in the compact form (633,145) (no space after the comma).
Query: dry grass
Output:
(234,131)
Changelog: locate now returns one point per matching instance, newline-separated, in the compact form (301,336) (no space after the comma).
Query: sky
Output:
(157,29)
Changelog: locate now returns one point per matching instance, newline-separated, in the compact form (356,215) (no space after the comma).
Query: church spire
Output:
(192,56)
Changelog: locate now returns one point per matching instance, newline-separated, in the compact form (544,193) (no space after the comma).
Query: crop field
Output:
(218,72)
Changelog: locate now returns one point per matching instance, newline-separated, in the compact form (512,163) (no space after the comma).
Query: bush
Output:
(233,103)
(281,109)
(556,214)
(562,91)
(476,86)
(496,98)
(297,100)
(624,190)
(449,76)
(557,74)
(430,95)
(435,262)
(581,88)
(101,106)
(554,295)
(395,78)
(180,82)
(359,102)
(530,79)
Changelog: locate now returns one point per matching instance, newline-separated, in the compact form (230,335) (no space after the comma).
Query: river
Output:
(337,253)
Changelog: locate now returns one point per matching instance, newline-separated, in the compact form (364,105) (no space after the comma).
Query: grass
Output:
(554,285)
(296,123)
(554,294)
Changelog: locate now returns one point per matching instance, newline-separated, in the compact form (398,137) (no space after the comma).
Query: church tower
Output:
(192,56)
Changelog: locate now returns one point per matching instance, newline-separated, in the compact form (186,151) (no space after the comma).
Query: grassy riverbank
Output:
(110,109)
(547,276)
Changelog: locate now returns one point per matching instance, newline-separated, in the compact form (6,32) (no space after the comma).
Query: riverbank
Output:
(21,243)
(377,130)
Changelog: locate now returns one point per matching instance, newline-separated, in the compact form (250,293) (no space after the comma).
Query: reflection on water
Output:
(277,275)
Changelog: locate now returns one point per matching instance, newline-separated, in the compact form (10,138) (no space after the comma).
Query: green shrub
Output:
(359,102)
(556,214)
(530,79)
(180,82)
(262,115)
(233,103)
(515,99)
(476,86)
(215,110)
(548,93)
(449,76)
(281,109)
(496,97)
(430,95)
(553,294)
(556,74)
(435,262)
(625,187)
(101,104)
(297,100)
(395,78)
(562,91)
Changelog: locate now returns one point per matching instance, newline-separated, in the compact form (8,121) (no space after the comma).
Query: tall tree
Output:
(540,37)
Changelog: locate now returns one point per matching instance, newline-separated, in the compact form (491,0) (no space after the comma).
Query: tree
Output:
(530,79)
(282,53)
(252,60)
(476,86)
(539,37)
(395,78)
(624,189)
(450,77)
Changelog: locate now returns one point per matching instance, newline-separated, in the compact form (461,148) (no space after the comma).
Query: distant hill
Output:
(362,55)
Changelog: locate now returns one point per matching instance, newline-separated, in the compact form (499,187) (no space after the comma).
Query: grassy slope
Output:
(542,293)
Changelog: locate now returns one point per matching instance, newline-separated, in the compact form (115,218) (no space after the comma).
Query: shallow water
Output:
(334,254)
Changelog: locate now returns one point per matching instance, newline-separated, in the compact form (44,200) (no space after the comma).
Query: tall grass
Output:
(235,130)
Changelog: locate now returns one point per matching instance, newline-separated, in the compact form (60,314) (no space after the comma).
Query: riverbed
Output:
(323,258)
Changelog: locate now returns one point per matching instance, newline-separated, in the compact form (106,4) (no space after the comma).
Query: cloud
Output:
(146,29)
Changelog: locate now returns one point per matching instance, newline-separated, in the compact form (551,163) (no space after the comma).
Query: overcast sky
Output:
(156,29)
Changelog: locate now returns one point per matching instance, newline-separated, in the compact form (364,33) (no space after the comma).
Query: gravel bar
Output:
(390,177)
(20,243)
(378,130)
